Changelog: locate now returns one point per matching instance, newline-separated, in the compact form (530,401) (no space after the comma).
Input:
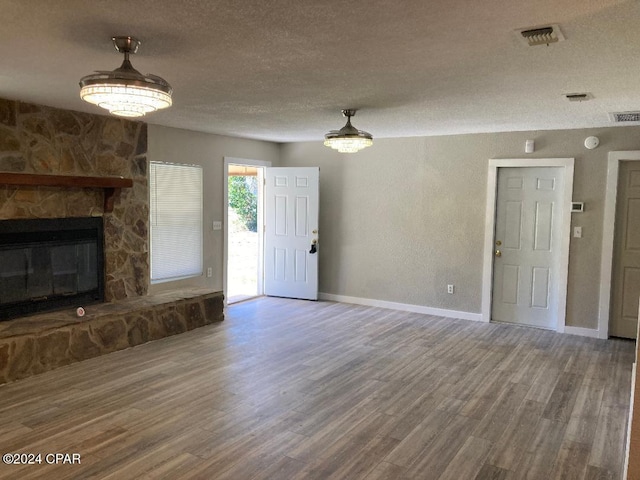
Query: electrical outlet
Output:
(209,272)
(450,289)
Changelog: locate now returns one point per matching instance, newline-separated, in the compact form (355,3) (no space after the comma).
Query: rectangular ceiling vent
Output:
(534,36)
(625,117)
(578,97)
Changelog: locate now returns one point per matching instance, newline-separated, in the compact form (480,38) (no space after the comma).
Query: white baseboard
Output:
(405,307)
(583,332)
(439,312)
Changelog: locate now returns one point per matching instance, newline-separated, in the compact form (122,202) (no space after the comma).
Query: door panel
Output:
(540,290)
(626,263)
(291,226)
(543,223)
(528,213)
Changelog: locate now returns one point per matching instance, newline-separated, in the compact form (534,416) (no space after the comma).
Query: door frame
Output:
(489,229)
(252,163)
(608,225)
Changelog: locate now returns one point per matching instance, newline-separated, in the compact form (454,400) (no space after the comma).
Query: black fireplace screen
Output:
(48,264)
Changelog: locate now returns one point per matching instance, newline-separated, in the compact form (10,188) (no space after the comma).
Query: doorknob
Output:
(498,253)
(314,249)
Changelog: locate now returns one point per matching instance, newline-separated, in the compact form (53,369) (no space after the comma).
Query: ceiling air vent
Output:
(545,35)
(578,97)
(625,117)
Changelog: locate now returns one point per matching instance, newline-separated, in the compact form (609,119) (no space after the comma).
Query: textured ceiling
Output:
(282,70)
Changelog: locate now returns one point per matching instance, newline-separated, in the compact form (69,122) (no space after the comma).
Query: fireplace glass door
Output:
(47,264)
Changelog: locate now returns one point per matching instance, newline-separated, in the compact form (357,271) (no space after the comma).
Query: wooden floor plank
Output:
(541,454)
(490,472)
(288,389)
(571,463)
(469,460)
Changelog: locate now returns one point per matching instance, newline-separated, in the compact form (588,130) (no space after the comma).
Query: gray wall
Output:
(405,217)
(184,146)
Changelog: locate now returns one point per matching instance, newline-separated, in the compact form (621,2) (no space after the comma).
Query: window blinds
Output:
(176,220)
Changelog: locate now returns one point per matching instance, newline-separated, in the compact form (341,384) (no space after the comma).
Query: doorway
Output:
(625,281)
(244,239)
(619,310)
(530,290)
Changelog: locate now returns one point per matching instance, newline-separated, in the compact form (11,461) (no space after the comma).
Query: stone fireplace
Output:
(42,140)
(54,164)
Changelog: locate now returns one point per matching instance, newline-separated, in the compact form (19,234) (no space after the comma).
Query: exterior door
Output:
(626,263)
(291,232)
(528,220)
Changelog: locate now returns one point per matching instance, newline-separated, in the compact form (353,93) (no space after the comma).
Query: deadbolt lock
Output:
(498,242)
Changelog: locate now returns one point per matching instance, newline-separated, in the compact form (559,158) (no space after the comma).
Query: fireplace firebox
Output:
(48,264)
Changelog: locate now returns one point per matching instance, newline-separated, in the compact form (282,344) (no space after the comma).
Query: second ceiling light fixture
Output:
(348,139)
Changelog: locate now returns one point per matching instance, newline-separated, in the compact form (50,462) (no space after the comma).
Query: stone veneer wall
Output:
(45,140)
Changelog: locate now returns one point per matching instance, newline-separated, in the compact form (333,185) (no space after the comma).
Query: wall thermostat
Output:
(577,207)
(591,142)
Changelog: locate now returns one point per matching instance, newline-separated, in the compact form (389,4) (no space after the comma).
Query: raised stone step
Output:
(42,342)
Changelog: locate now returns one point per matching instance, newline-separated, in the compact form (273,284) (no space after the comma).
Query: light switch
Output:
(217,225)
(577,232)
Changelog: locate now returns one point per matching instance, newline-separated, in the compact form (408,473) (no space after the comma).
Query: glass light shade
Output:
(348,144)
(125,91)
(125,100)
(348,139)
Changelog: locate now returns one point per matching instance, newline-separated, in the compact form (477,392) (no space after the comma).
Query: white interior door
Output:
(528,243)
(626,263)
(291,232)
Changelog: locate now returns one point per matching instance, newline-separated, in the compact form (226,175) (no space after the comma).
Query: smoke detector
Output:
(625,117)
(544,35)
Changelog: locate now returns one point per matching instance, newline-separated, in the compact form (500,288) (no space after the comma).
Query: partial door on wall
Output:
(528,243)
(626,257)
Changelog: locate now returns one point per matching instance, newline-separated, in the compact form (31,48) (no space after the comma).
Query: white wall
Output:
(184,146)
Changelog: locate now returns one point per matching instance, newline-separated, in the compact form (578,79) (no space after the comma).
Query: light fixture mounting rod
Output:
(126,44)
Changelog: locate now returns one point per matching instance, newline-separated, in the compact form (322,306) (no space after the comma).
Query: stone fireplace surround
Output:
(43,140)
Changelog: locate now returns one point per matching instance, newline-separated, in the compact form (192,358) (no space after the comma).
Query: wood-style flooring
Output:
(286,389)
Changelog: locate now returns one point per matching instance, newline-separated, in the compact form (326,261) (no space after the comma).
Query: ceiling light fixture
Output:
(125,91)
(348,139)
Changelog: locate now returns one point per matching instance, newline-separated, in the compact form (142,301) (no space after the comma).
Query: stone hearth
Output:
(35,344)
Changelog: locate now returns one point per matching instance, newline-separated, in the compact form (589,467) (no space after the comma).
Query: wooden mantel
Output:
(110,185)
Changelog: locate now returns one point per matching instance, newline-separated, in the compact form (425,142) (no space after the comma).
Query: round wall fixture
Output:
(591,142)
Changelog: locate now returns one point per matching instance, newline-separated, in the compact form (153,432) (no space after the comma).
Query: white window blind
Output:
(176,220)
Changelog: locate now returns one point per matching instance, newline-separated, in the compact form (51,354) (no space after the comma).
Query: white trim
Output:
(608,226)
(630,422)
(225,207)
(405,307)
(563,273)
(583,332)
